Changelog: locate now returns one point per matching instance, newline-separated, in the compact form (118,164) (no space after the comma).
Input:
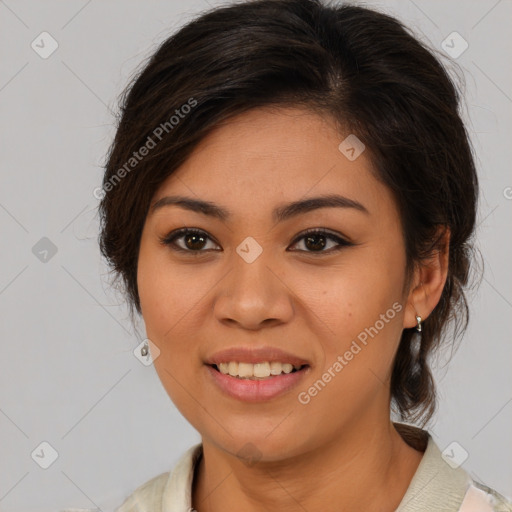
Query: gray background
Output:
(68,375)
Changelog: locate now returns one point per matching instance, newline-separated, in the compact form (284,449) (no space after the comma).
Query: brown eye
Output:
(192,240)
(315,240)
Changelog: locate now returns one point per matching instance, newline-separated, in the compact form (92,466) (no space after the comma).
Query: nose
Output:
(254,294)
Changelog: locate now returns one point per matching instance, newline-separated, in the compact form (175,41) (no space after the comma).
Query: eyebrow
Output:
(279,214)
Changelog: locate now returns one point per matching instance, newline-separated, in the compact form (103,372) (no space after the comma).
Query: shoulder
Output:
(167,490)
(483,498)
(146,497)
(441,483)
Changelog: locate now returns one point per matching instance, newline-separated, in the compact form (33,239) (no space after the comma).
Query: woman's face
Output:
(253,283)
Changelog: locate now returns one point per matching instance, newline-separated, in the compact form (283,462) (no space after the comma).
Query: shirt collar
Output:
(435,485)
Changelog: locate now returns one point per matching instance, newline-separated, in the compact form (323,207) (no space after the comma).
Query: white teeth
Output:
(261,370)
(233,368)
(275,368)
(287,367)
(245,370)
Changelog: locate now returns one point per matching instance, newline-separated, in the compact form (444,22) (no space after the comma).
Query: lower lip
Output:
(256,390)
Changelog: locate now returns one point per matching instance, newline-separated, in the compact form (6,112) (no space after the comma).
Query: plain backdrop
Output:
(67,370)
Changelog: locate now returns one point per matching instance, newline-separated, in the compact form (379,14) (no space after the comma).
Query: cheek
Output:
(164,307)
(153,299)
(353,295)
(171,300)
(362,305)
(158,301)
(165,294)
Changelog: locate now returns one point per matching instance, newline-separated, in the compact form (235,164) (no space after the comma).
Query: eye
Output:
(195,241)
(315,241)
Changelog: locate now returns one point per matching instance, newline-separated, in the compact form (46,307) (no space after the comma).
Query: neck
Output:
(360,469)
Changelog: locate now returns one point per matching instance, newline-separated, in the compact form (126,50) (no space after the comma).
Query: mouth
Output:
(258,371)
(256,382)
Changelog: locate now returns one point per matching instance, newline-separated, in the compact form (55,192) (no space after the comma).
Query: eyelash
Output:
(169,240)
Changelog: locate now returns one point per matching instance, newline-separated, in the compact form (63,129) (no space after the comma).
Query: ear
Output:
(428,282)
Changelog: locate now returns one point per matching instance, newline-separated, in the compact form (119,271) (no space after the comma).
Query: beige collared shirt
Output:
(438,485)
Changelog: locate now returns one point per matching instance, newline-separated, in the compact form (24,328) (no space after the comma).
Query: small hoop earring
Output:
(418,319)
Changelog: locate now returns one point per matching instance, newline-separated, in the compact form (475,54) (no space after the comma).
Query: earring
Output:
(418,319)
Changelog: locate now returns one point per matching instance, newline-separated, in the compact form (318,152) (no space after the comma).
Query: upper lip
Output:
(255,355)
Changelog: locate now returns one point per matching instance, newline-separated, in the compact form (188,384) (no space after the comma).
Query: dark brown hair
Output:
(360,67)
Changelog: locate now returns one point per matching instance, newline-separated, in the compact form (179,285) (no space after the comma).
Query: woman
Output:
(289,201)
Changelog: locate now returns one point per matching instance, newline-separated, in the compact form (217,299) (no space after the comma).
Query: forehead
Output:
(265,156)
(272,136)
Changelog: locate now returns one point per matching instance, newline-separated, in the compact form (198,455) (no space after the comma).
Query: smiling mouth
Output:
(258,371)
